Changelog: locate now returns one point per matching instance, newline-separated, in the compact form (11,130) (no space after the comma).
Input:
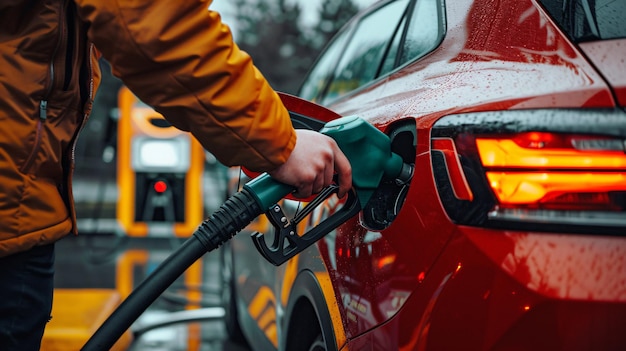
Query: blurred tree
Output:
(333,15)
(272,32)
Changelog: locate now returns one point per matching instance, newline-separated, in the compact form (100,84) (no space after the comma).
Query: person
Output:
(176,56)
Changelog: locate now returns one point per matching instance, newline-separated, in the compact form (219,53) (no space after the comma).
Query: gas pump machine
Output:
(159,173)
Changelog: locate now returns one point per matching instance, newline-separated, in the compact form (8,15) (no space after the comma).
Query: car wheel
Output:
(318,344)
(229,296)
(305,331)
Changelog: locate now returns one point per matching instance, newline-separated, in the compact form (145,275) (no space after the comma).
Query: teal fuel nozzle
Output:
(369,152)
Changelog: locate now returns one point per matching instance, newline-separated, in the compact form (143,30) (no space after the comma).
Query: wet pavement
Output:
(101,261)
(187,316)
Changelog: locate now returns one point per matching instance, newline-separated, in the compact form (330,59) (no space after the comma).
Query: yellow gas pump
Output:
(160,185)
(159,173)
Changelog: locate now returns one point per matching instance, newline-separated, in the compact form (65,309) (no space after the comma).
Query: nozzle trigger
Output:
(287,243)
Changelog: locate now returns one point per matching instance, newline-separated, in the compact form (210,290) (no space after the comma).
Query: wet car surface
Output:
(510,234)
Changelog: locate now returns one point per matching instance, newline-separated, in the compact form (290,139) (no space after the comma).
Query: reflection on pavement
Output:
(97,261)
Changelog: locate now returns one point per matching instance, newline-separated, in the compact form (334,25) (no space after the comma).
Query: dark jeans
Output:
(26,287)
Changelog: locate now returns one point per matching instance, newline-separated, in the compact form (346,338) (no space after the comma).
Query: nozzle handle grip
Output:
(267,191)
(287,242)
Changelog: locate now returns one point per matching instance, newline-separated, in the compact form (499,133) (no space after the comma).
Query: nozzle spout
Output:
(369,152)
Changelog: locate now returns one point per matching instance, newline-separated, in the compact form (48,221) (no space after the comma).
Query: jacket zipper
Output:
(43,104)
(70,176)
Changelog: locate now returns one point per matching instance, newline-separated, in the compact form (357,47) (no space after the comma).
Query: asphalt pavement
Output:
(101,257)
(100,261)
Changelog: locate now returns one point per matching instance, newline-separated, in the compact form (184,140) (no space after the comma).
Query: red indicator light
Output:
(160,186)
(538,140)
(421,276)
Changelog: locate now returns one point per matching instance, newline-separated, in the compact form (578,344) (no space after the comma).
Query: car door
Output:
(365,255)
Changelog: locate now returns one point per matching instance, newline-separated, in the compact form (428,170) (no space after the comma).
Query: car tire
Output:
(229,297)
(318,344)
(305,331)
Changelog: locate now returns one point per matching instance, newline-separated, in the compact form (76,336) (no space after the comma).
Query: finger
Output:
(344,173)
(319,183)
(329,173)
(304,191)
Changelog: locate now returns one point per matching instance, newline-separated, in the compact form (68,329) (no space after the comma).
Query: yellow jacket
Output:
(176,56)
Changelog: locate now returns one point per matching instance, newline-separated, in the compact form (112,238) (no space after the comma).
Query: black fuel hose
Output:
(233,216)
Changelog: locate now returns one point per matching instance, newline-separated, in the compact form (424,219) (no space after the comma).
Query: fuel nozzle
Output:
(369,152)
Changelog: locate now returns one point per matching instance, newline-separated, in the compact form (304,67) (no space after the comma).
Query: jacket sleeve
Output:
(178,57)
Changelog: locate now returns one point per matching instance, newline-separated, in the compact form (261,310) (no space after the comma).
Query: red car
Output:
(511,234)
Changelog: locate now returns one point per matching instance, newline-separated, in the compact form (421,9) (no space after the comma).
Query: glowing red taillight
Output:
(546,169)
(554,171)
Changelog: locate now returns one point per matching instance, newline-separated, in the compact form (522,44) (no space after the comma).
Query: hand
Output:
(312,164)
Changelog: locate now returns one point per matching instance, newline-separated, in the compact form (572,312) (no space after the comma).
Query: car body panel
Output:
(474,69)
(608,56)
(468,301)
(426,283)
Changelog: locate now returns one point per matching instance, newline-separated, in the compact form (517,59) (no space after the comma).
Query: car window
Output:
(321,72)
(377,44)
(391,58)
(585,20)
(364,53)
(423,34)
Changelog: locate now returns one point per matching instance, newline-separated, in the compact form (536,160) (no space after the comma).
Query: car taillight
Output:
(554,171)
(547,168)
